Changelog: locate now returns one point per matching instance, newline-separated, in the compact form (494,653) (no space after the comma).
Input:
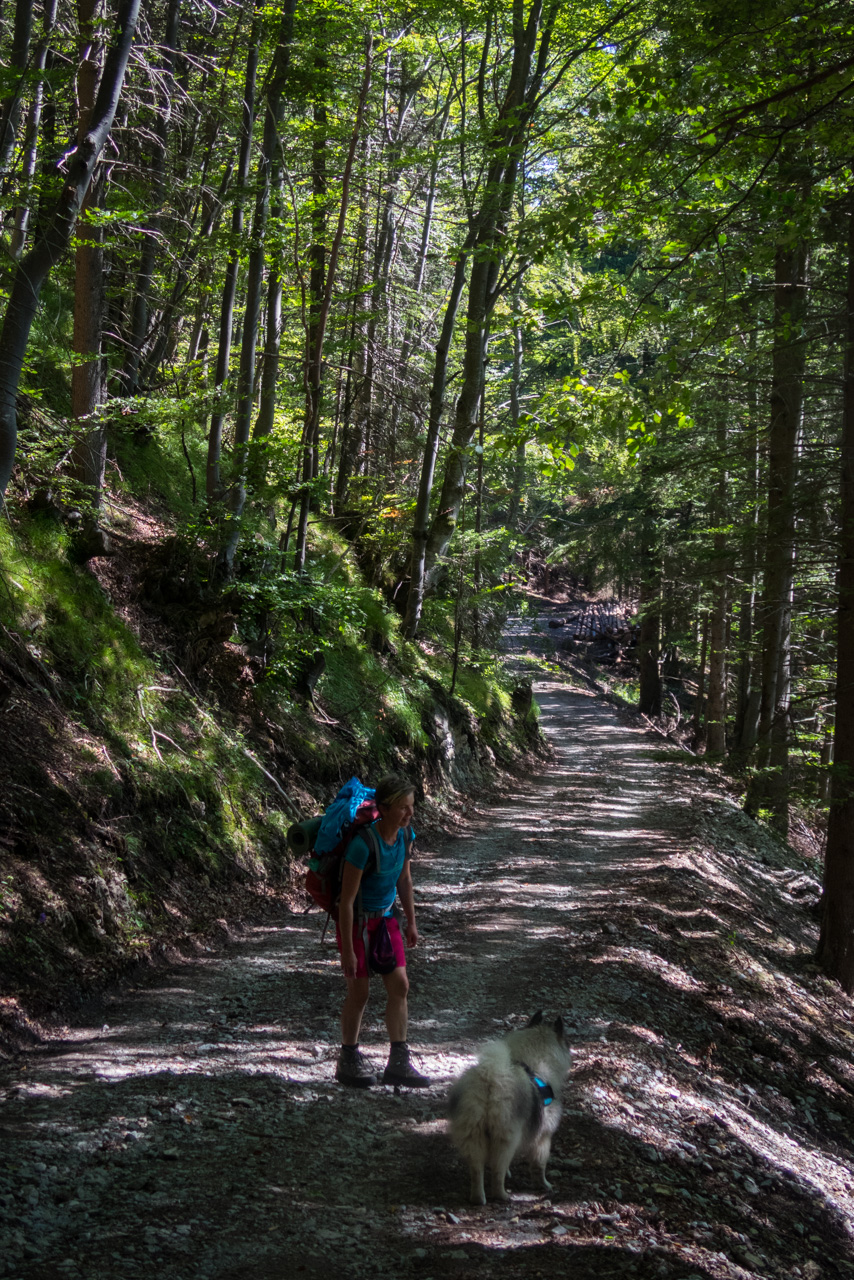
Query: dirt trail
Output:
(200,1134)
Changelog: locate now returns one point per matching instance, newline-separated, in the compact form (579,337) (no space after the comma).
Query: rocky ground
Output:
(194,1130)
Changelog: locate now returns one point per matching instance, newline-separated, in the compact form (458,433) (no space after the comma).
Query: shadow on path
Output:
(200,1134)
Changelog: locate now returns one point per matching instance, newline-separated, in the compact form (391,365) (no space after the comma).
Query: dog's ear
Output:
(537,1019)
(559,1028)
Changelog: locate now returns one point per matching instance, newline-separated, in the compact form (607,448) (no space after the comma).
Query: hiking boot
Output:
(354,1068)
(399,1069)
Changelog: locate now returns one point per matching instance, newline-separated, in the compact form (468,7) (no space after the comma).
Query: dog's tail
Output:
(483,1106)
(469,1131)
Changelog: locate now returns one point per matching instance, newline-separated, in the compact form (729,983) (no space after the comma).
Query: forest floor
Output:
(193,1129)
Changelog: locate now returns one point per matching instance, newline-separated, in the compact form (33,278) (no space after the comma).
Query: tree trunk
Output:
(31,135)
(317,329)
(355,415)
(88,382)
(649,608)
(778,745)
(10,108)
(768,789)
(716,704)
(699,706)
(369,407)
(478,314)
(213,474)
(89,457)
(485,243)
(151,235)
(518,483)
(478,527)
(505,149)
(55,234)
(313,305)
(267,169)
(421,525)
(211,206)
(263,428)
(421,262)
(836,940)
(826,757)
(746,726)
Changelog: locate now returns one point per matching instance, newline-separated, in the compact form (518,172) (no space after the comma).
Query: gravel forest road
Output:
(198,1134)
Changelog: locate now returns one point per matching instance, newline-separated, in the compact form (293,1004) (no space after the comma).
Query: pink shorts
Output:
(362,970)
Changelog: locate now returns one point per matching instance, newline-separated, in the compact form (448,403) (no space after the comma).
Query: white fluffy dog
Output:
(509,1104)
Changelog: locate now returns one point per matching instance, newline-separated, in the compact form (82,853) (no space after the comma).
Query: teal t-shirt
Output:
(379,887)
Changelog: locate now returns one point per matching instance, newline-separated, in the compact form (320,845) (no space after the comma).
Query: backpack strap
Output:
(372,840)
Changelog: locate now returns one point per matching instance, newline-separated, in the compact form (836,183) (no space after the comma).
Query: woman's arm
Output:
(407,899)
(350,881)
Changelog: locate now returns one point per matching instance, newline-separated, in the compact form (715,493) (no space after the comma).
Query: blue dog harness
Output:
(543,1088)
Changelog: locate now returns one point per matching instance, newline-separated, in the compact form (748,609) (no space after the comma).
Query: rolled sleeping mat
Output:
(302,835)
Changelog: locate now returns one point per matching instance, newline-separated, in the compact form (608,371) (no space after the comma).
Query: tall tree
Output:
(836,941)
(156,182)
(485,247)
(213,476)
(88,381)
(268,171)
(31,133)
(10,106)
(769,788)
(716,704)
(489,221)
(316,331)
(56,231)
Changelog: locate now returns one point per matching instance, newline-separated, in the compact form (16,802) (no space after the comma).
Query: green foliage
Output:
(159,451)
(66,619)
(664,163)
(171,752)
(299,615)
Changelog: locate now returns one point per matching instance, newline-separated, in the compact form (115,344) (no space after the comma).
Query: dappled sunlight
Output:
(649,962)
(684,1136)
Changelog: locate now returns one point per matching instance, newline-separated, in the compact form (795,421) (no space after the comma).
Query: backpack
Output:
(325,840)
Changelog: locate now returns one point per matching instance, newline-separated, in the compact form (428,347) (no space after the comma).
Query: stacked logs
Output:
(606,628)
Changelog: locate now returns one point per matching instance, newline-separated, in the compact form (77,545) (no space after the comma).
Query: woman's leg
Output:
(358,990)
(399,1069)
(396,1010)
(353,1067)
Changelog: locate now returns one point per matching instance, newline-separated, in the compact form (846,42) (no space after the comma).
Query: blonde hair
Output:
(393,787)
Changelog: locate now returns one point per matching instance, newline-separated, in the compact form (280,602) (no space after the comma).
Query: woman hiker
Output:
(365,906)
